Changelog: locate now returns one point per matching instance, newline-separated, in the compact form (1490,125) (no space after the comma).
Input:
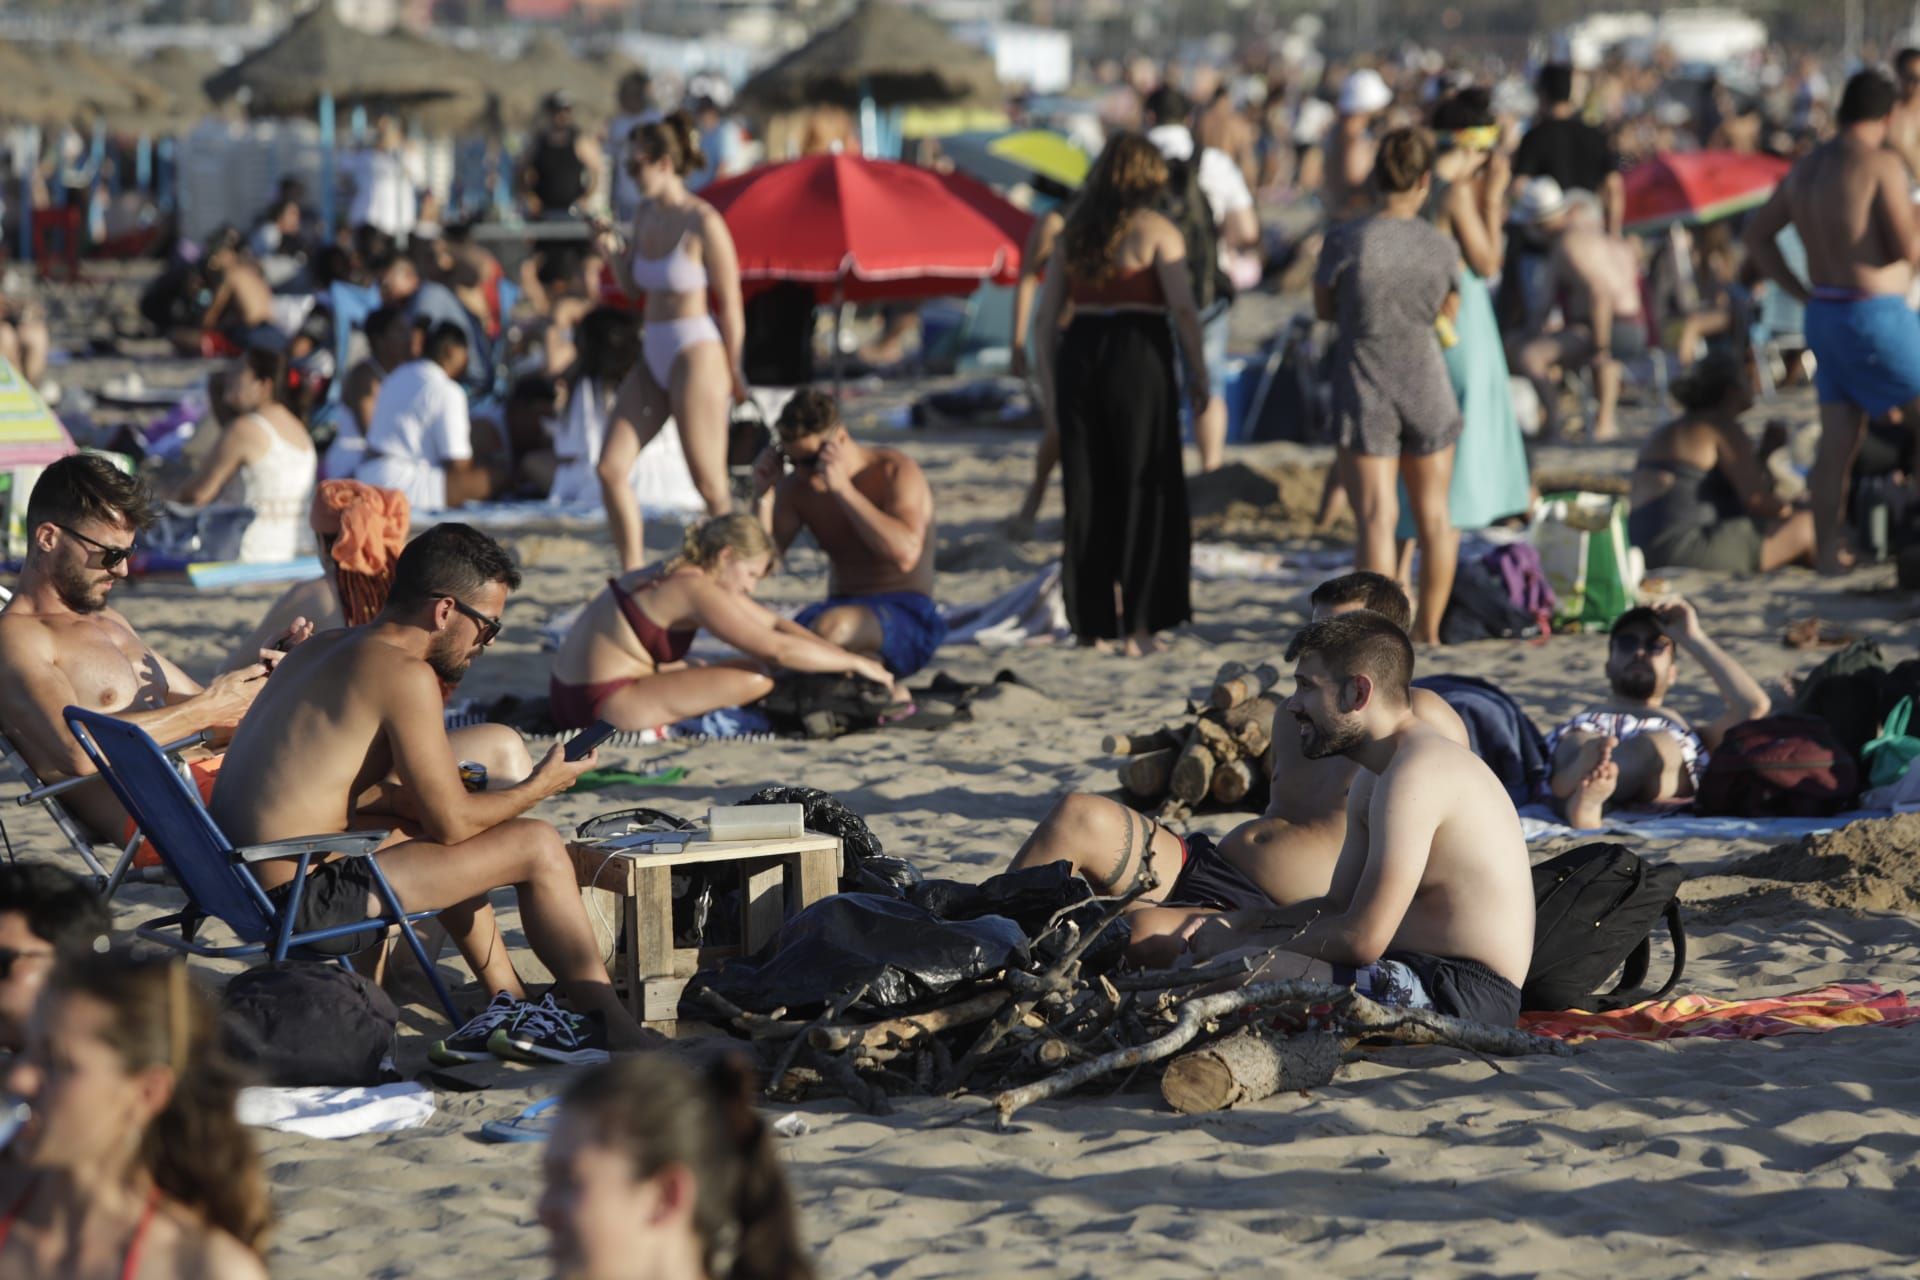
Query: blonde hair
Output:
(739,532)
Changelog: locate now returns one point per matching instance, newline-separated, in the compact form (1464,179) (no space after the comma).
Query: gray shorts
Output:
(1728,546)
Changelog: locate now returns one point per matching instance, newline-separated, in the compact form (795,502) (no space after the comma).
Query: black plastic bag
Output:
(902,952)
(863,867)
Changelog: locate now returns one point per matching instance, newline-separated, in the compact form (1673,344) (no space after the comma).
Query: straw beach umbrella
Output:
(319,55)
(882,53)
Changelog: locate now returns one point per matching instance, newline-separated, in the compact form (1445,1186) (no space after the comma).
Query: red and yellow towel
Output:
(1843,1004)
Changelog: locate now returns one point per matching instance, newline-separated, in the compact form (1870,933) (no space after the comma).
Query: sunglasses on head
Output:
(8,955)
(489,626)
(110,557)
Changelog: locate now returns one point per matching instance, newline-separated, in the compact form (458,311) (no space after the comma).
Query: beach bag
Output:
(1887,758)
(301,1023)
(1518,565)
(1596,909)
(825,705)
(1847,690)
(1584,552)
(1789,766)
(1185,205)
(1479,609)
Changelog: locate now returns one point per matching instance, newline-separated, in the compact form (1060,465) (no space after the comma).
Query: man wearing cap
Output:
(1562,146)
(1632,748)
(1230,205)
(1350,149)
(562,166)
(1595,276)
(1850,202)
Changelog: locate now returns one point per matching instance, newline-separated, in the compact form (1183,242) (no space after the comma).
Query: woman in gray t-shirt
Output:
(1385,280)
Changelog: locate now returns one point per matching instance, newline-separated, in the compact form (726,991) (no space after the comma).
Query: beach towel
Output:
(337,1113)
(369,527)
(1498,731)
(1035,612)
(1666,823)
(1842,1004)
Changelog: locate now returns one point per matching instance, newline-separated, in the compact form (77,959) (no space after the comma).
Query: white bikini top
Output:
(675,273)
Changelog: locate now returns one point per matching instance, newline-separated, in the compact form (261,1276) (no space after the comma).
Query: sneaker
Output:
(547,1033)
(469,1043)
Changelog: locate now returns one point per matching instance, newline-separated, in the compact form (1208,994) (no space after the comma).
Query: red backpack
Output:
(1779,767)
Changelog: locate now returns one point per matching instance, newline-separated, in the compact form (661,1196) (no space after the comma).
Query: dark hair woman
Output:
(1107,388)
(265,461)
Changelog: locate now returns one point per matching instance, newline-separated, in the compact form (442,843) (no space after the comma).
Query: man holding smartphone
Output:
(350,735)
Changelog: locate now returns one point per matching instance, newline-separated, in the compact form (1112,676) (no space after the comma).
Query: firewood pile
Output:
(1221,756)
(1049,1027)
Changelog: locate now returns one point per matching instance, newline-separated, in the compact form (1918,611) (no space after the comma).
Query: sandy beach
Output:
(1786,1157)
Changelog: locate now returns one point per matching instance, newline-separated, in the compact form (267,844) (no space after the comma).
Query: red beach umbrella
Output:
(1698,186)
(860,229)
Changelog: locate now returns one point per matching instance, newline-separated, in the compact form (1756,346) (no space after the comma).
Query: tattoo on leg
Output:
(1126,854)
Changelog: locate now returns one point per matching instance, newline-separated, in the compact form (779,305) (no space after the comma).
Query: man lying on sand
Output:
(349,735)
(61,646)
(1850,201)
(1632,749)
(1284,856)
(1431,905)
(871,511)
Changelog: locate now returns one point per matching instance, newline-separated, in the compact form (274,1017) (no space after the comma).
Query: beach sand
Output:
(1786,1157)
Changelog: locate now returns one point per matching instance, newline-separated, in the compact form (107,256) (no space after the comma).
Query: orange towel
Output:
(1843,1004)
(205,773)
(368,527)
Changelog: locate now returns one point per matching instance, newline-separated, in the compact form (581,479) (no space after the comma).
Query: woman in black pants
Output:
(1107,386)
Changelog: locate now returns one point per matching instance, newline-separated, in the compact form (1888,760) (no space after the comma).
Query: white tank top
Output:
(279,488)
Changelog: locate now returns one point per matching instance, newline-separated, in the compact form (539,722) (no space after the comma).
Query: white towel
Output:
(338,1112)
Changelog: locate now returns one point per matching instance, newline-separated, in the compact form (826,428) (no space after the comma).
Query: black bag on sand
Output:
(1481,609)
(304,1023)
(1596,908)
(1845,690)
(824,705)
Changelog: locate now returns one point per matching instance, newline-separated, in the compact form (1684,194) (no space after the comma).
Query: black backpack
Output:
(300,1022)
(1481,609)
(825,705)
(1596,908)
(1185,205)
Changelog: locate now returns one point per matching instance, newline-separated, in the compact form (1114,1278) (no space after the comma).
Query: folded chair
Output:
(213,872)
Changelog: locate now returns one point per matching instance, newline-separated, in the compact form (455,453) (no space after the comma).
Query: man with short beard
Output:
(1632,748)
(61,646)
(350,735)
(1431,904)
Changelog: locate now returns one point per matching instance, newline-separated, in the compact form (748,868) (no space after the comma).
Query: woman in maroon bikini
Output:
(132,1163)
(624,661)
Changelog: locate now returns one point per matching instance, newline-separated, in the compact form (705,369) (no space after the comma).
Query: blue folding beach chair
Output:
(213,873)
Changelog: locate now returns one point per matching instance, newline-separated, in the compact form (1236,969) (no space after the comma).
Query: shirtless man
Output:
(1903,132)
(242,305)
(871,511)
(350,735)
(1632,748)
(1850,201)
(1595,273)
(1284,856)
(1351,146)
(61,646)
(1431,904)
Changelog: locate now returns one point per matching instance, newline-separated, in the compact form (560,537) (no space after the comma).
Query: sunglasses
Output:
(8,955)
(489,626)
(1633,643)
(110,557)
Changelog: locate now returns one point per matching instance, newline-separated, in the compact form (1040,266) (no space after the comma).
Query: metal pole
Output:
(326,164)
(27,171)
(839,359)
(143,163)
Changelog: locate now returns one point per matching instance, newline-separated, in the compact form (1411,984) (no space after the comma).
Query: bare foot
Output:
(1566,779)
(1586,807)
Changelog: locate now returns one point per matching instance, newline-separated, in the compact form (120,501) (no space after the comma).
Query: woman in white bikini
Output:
(691,369)
(265,460)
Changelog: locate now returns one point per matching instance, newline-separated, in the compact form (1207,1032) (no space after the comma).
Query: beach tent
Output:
(30,438)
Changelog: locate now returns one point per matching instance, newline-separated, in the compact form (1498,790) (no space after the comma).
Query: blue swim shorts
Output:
(1868,351)
(911,627)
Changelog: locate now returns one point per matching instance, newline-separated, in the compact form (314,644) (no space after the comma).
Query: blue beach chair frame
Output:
(212,871)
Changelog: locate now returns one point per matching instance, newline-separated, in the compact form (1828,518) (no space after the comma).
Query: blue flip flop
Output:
(531,1125)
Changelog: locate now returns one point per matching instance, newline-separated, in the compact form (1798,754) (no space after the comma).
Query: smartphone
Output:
(588,738)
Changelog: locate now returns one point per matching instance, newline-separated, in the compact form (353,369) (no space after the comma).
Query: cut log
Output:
(1251,724)
(1139,744)
(1214,736)
(1192,774)
(1146,776)
(1231,693)
(1248,1066)
(904,1031)
(1232,780)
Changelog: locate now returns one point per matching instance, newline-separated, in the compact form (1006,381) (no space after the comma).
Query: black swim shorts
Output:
(336,894)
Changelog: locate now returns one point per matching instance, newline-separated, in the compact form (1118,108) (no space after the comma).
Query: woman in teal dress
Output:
(1490,478)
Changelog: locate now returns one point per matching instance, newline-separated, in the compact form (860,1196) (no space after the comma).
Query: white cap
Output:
(1364,93)
(1539,200)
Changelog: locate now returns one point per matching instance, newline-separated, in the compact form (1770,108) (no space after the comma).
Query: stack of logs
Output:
(1223,754)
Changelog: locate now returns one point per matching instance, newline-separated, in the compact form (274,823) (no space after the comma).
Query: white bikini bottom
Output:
(662,341)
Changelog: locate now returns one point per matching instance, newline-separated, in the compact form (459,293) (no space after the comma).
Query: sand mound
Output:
(1867,866)
(1244,503)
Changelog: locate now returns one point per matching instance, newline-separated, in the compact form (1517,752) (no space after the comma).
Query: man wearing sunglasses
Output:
(1633,749)
(61,645)
(350,734)
(871,511)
